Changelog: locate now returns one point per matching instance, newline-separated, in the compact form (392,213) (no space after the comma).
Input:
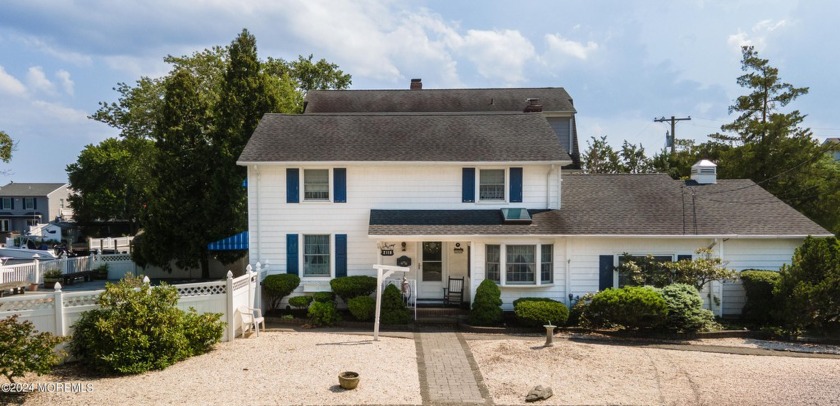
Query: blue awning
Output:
(238,242)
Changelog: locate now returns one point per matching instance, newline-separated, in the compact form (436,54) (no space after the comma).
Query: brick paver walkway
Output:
(448,373)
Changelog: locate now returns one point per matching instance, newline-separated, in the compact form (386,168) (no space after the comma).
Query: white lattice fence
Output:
(56,311)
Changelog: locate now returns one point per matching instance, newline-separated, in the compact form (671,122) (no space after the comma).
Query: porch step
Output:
(440,315)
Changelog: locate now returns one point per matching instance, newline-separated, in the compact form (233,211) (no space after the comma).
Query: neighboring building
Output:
(833,147)
(481,195)
(27,204)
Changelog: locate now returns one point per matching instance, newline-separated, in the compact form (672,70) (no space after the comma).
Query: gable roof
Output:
(618,205)
(413,137)
(29,189)
(553,99)
(832,141)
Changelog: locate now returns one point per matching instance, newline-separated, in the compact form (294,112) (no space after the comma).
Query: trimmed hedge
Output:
(300,302)
(487,306)
(324,297)
(393,309)
(348,287)
(362,307)
(759,285)
(278,286)
(532,299)
(629,307)
(536,313)
(685,309)
(323,314)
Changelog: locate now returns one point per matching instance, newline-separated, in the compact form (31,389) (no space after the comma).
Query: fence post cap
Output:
(57,287)
(230,274)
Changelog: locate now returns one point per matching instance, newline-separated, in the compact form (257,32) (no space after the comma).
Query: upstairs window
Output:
(491,184)
(29,203)
(6,203)
(316,184)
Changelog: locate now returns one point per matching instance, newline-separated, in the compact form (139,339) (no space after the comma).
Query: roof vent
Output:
(704,172)
(533,106)
(416,84)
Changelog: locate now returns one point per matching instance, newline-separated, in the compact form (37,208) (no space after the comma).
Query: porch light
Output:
(458,249)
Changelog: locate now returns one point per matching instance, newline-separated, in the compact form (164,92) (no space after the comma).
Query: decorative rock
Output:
(539,393)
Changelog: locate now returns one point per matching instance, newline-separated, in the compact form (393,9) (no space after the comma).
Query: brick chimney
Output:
(416,84)
(533,106)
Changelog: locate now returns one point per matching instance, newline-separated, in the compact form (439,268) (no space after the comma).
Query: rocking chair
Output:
(453,294)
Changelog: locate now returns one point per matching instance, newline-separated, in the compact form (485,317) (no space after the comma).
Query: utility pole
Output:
(673,121)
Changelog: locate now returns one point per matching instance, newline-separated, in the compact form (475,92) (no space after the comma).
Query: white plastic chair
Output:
(249,321)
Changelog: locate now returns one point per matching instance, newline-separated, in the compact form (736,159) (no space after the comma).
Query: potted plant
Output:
(101,272)
(51,277)
(32,285)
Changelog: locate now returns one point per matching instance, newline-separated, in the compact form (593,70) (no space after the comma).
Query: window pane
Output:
(432,261)
(492,184)
(521,264)
(546,265)
(316,255)
(492,263)
(28,203)
(316,184)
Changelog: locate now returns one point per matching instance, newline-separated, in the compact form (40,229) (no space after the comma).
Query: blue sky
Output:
(624,63)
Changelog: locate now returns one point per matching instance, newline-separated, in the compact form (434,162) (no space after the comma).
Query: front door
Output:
(431,271)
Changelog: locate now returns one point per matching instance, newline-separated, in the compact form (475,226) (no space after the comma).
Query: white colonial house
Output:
(474,183)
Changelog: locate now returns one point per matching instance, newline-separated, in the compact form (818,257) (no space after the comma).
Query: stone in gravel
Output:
(539,393)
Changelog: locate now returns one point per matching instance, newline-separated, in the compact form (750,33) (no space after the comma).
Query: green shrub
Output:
(23,350)
(536,313)
(487,306)
(300,302)
(278,286)
(362,307)
(629,307)
(576,313)
(323,314)
(685,309)
(532,299)
(324,297)
(759,285)
(349,287)
(808,289)
(393,309)
(137,328)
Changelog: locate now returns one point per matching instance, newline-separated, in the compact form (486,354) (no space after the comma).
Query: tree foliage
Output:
(697,272)
(808,290)
(188,159)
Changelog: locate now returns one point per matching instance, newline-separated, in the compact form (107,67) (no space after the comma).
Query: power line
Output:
(673,121)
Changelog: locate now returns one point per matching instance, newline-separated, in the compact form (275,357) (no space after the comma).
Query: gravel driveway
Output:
(288,367)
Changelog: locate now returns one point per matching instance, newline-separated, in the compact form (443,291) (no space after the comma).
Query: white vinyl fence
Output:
(56,311)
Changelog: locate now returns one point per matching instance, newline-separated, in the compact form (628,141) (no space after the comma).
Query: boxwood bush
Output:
(324,297)
(630,307)
(137,328)
(323,314)
(300,302)
(348,287)
(487,306)
(393,309)
(536,312)
(362,307)
(759,285)
(278,286)
(685,309)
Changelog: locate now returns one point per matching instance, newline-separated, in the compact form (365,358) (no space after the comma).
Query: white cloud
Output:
(66,83)
(38,81)
(769,25)
(10,85)
(579,50)
(741,39)
(60,113)
(72,57)
(760,31)
(498,55)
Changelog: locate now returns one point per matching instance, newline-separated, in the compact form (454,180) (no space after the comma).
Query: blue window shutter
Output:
(292,185)
(682,257)
(605,272)
(13,203)
(340,185)
(340,255)
(516,185)
(468,185)
(292,254)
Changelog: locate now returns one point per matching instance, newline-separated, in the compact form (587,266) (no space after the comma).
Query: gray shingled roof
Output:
(435,100)
(441,137)
(622,205)
(29,189)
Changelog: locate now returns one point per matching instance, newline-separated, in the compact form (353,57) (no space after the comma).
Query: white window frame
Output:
(537,260)
(4,225)
(331,254)
(505,187)
(31,205)
(329,185)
